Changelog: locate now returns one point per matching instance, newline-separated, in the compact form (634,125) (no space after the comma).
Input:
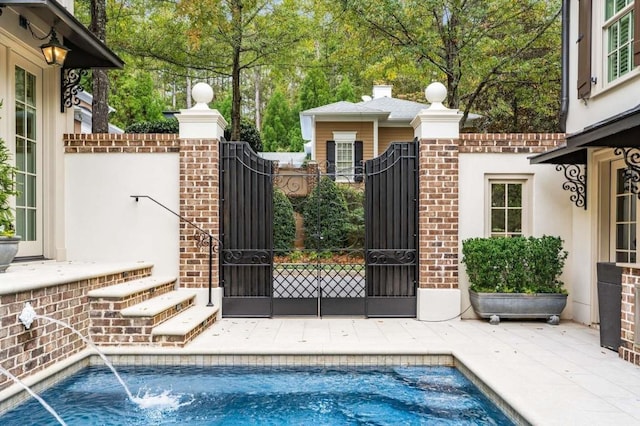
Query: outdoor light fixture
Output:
(54,52)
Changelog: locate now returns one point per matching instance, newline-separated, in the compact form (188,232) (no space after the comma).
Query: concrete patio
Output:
(551,375)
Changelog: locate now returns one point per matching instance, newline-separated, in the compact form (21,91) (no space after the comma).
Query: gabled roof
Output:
(344,107)
(87,51)
(399,109)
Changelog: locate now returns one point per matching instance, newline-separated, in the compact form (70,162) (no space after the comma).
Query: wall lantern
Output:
(54,52)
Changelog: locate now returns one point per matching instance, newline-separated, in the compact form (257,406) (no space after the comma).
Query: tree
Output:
(314,91)
(100,103)
(136,97)
(277,123)
(471,44)
(345,92)
(325,217)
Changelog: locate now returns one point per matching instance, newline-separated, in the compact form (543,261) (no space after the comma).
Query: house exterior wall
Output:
(386,135)
(103,222)
(495,156)
(606,99)
(324,132)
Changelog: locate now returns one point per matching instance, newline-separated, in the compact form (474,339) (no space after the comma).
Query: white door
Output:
(27,112)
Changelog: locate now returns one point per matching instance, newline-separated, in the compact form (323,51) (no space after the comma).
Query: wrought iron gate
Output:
(334,267)
(246,231)
(391,223)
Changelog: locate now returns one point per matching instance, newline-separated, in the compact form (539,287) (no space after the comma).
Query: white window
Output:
(344,155)
(618,30)
(508,205)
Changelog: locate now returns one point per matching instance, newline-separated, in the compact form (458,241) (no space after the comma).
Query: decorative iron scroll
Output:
(204,239)
(576,183)
(246,257)
(70,87)
(391,257)
(631,175)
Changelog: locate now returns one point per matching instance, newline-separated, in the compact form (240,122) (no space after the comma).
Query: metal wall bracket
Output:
(70,87)
(576,183)
(631,174)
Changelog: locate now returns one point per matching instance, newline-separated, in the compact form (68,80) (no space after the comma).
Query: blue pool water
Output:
(264,396)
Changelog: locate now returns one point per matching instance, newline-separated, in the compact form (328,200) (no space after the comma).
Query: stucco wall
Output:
(104,223)
(551,209)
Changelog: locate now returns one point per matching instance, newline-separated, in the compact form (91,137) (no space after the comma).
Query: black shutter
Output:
(636,33)
(584,49)
(357,160)
(331,159)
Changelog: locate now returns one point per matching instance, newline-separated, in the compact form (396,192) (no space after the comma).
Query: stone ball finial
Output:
(435,93)
(202,93)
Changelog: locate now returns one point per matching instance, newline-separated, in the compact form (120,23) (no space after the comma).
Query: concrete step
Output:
(130,288)
(161,308)
(183,327)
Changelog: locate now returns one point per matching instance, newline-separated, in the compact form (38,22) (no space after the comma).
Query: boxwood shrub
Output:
(284,223)
(325,216)
(514,265)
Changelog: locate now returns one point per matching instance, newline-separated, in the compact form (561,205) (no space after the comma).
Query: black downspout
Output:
(564,89)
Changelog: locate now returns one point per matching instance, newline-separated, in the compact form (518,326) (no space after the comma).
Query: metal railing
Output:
(203,238)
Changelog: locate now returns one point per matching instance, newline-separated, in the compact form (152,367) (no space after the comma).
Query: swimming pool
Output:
(265,396)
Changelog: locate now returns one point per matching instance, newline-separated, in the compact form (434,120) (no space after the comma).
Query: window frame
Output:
(345,174)
(526,204)
(607,26)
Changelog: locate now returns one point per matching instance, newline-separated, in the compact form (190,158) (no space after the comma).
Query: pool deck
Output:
(552,375)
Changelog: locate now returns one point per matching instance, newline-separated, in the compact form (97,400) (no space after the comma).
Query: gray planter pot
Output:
(518,305)
(8,250)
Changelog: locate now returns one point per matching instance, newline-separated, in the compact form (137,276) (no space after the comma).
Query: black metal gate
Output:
(391,223)
(246,231)
(330,265)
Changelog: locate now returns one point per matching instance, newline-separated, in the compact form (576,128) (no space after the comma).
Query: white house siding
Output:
(105,224)
(606,100)
(552,212)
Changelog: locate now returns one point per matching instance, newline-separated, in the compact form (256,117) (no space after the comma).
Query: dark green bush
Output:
(284,223)
(248,133)
(325,216)
(161,126)
(354,228)
(514,265)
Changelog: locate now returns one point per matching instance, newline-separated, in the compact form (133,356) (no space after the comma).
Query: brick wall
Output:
(129,143)
(199,204)
(438,204)
(629,349)
(25,352)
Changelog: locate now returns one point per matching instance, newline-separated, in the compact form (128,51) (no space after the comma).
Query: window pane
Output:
(514,223)
(31,123)
(21,220)
(31,89)
(31,225)
(497,220)
(19,85)
(20,121)
(31,157)
(497,195)
(31,191)
(515,195)
(622,209)
(622,236)
(620,182)
(622,256)
(20,186)
(20,154)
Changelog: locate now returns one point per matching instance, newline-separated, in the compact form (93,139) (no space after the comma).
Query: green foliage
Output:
(224,107)
(325,217)
(284,224)
(345,91)
(277,124)
(7,190)
(136,98)
(248,133)
(354,227)
(159,126)
(514,265)
(314,91)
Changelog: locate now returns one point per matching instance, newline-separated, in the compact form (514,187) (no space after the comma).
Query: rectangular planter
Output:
(518,305)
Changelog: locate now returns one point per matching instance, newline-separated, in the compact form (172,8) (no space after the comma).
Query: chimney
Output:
(381,91)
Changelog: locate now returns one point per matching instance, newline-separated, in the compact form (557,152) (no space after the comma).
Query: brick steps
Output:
(146,311)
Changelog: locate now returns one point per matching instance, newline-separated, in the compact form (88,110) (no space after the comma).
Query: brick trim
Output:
(629,349)
(125,143)
(505,143)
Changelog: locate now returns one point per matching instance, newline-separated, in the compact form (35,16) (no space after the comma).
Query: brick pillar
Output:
(437,131)
(630,344)
(201,129)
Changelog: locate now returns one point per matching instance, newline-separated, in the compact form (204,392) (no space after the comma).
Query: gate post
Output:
(437,130)
(201,130)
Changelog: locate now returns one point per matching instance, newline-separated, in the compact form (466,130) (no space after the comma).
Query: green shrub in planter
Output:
(284,223)
(325,216)
(514,265)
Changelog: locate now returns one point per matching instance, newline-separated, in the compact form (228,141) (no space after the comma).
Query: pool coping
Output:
(15,394)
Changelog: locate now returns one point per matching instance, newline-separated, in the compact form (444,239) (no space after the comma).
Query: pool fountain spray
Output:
(28,315)
(33,394)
